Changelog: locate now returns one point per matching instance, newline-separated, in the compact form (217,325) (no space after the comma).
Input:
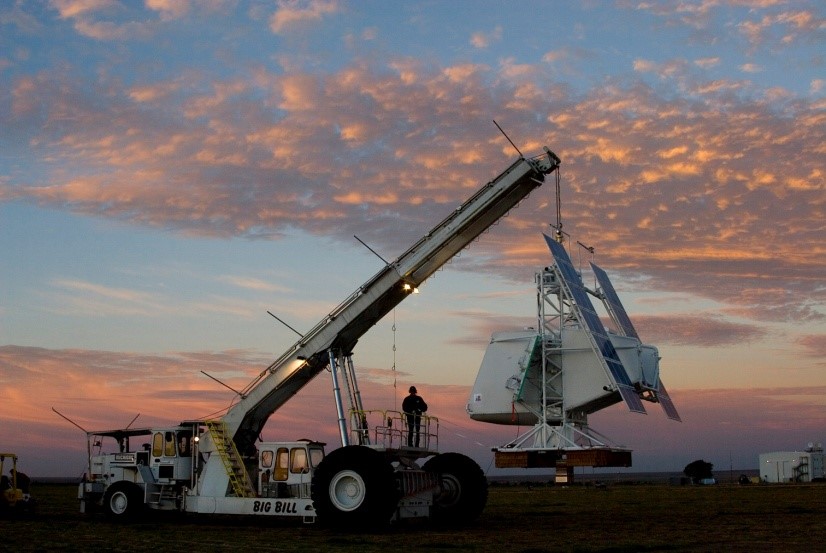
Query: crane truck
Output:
(220,465)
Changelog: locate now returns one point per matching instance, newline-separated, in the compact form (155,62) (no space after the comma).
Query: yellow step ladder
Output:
(234,465)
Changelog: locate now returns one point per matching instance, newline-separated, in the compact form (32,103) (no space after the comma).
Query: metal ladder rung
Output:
(236,472)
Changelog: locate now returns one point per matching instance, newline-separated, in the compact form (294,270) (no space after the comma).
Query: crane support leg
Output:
(344,375)
(353,383)
(342,421)
(359,421)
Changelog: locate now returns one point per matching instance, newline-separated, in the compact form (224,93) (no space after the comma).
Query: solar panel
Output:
(632,398)
(621,319)
(667,404)
(587,315)
(617,311)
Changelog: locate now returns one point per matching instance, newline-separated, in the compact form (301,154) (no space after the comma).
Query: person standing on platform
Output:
(413,406)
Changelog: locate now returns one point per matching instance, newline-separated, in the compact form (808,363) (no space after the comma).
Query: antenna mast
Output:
(509,139)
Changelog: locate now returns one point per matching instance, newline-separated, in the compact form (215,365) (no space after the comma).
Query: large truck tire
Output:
(123,501)
(464,489)
(354,487)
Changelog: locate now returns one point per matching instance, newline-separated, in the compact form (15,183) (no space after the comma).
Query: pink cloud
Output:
(696,330)
(107,389)
(673,329)
(169,9)
(815,345)
(481,39)
(482,325)
(107,20)
(74,8)
(295,12)
(784,27)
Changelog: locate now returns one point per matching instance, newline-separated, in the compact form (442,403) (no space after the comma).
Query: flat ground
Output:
(518,519)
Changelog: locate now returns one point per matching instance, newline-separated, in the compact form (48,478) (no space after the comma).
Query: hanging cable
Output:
(395,390)
(558,235)
(558,201)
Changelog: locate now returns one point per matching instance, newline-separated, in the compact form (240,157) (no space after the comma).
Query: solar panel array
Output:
(667,404)
(627,329)
(587,315)
(622,319)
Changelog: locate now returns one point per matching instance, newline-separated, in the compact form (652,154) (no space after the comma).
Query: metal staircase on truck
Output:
(233,463)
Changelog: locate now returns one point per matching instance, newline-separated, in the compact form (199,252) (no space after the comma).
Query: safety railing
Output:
(392,430)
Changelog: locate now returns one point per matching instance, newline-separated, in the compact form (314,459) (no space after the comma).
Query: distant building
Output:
(793,466)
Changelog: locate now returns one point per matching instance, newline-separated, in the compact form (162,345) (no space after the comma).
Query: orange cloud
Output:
(292,13)
(685,182)
(482,39)
(73,8)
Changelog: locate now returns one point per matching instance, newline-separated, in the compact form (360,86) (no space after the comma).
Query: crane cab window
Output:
(184,444)
(316,456)
(266,459)
(282,464)
(298,461)
(157,444)
(169,444)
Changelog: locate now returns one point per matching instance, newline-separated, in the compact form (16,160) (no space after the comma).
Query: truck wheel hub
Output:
(119,503)
(347,490)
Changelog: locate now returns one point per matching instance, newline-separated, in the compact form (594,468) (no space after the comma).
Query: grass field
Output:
(518,519)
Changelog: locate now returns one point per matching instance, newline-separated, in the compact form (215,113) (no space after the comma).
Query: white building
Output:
(793,466)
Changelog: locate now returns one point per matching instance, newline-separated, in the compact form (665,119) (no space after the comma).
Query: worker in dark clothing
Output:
(413,407)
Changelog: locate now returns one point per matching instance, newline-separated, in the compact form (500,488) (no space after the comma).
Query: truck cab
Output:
(122,475)
(285,469)
(170,455)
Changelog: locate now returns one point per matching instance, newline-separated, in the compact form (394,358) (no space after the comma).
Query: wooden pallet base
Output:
(561,459)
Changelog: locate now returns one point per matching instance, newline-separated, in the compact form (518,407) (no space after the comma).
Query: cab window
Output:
(316,456)
(282,464)
(157,444)
(266,458)
(169,444)
(184,444)
(298,461)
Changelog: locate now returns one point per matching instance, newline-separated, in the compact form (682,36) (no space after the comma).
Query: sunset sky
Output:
(170,170)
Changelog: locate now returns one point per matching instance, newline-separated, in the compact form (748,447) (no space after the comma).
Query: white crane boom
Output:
(340,330)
